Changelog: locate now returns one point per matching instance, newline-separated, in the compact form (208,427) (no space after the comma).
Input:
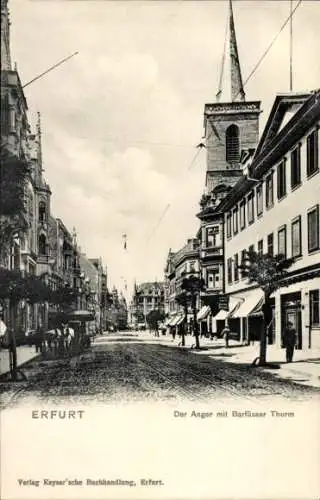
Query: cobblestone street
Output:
(129,367)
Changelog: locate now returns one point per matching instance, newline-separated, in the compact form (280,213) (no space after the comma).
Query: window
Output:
(12,117)
(269,191)
(296,237)
(250,208)
(42,244)
(42,211)
(211,237)
(270,244)
(192,266)
(313,229)
(213,278)
(281,180)
(260,247)
(243,259)
(242,214)
(259,193)
(314,308)
(295,168)
(236,267)
(312,153)
(232,144)
(228,225)
(229,268)
(282,241)
(235,220)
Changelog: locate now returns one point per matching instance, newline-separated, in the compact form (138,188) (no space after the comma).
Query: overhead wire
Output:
(270,45)
(199,147)
(245,82)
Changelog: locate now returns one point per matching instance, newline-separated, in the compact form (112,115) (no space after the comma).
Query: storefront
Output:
(299,304)
(219,320)
(248,327)
(203,317)
(291,312)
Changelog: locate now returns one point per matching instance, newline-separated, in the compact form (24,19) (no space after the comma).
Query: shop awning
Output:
(179,320)
(252,302)
(257,311)
(170,320)
(203,313)
(222,314)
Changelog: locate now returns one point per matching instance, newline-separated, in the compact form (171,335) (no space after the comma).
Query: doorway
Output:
(291,311)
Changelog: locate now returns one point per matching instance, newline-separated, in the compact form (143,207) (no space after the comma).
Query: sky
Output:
(121,120)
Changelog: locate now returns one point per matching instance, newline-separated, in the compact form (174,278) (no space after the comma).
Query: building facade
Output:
(180,265)
(33,241)
(275,210)
(147,297)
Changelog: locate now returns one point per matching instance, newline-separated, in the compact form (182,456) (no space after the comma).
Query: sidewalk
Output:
(24,354)
(305,368)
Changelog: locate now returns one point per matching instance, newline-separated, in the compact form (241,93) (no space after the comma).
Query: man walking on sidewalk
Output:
(289,340)
(226,334)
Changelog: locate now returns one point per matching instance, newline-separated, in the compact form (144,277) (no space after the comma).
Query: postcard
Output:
(160,250)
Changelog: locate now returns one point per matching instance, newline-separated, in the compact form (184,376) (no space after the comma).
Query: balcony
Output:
(209,251)
(209,292)
(190,250)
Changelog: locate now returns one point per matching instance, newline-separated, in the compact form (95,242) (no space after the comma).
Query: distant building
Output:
(181,264)
(147,297)
(117,311)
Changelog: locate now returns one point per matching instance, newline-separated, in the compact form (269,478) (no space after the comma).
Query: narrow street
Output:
(135,366)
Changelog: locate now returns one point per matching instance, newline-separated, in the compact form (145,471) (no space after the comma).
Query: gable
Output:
(283,110)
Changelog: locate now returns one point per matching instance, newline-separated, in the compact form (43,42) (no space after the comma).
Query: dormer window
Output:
(232,144)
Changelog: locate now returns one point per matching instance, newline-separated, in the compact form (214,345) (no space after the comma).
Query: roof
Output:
(276,141)
(148,286)
(283,102)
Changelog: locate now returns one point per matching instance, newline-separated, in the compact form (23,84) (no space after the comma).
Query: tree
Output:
(183,301)
(63,296)
(193,285)
(14,287)
(268,272)
(154,317)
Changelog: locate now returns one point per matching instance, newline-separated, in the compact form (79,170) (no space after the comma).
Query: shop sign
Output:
(223,302)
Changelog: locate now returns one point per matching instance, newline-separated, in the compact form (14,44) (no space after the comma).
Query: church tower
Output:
(231,123)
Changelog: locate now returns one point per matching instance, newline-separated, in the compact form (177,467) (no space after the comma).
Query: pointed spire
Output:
(237,91)
(234,79)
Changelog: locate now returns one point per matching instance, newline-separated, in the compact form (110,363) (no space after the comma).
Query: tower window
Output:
(232,144)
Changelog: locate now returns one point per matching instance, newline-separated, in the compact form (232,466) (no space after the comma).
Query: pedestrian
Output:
(3,330)
(39,339)
(173,332)
(61,339)
(289,341)
(226,333)
(68,335)
(157,329)
(55,340)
